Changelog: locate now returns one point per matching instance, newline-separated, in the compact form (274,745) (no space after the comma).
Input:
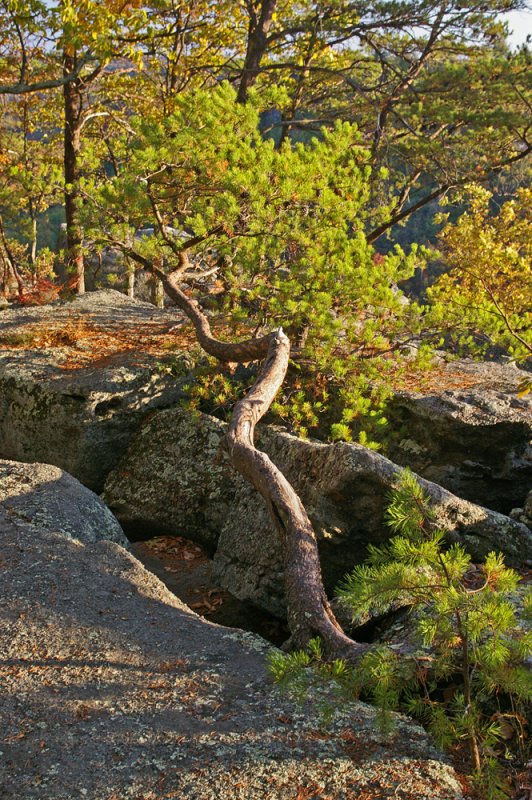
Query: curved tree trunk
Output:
(309,612)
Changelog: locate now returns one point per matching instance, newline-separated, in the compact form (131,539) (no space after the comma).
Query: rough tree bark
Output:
(10,264)
(260,20)
(72,139)
(309,612)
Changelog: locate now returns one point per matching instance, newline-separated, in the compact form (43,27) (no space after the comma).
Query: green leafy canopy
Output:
(282,228)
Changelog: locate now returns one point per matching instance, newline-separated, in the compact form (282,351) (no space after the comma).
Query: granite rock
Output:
(80,417)
(344,487)
(476,440)
(41,497)
(112,688)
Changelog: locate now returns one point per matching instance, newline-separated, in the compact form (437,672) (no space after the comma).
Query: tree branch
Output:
(403,213)
(39,86)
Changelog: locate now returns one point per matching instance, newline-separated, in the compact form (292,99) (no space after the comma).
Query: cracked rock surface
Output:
(113,689)
(176,478)
(62,403)
(476,440)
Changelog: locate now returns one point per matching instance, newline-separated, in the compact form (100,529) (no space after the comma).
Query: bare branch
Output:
(403,213)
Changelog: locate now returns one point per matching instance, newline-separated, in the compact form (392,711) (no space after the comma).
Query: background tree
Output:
(436,95)
(432,87)
(489,283)
(81,40)
(30,181)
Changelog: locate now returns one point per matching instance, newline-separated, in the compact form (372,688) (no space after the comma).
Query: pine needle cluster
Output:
(467,679)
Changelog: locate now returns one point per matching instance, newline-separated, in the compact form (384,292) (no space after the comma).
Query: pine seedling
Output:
(473,671)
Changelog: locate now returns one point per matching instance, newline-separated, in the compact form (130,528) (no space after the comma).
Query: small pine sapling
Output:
(468,681)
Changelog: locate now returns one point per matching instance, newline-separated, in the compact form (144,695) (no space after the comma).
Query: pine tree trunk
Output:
(72,138)
(309,612)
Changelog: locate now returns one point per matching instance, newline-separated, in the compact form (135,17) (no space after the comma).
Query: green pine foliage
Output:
(467,680)
(283,231)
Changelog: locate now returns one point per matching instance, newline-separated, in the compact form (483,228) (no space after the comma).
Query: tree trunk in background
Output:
(72,137)
(157,293)
(10,265)
(33,247)
(260,19)
(131,280)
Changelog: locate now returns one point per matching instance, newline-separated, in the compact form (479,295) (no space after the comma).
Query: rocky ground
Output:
(472,437)
(175,475)
(76,379)
(187,571)
(112,689)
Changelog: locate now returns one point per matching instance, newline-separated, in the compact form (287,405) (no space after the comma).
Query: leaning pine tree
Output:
(281,230)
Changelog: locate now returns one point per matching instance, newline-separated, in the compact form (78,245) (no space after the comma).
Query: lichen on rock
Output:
(172,479)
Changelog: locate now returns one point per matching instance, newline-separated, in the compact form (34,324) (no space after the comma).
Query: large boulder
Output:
(112,688)
(473,438)
(40,497)
(175,478)
(192,489)
(76,378)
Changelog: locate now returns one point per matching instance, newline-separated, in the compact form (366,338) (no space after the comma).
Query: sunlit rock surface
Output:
(76,378)
(176,476)
(112,688)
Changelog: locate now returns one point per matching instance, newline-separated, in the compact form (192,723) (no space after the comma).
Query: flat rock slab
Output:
(76,378)
(113,689)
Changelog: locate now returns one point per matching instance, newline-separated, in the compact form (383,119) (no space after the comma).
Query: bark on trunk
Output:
(10,263)
(260,20)
(33,249)
(131,281)
(157,293)
(309,612)
(72,138)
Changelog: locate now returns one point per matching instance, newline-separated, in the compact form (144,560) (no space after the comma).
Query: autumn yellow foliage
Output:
(487,292)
